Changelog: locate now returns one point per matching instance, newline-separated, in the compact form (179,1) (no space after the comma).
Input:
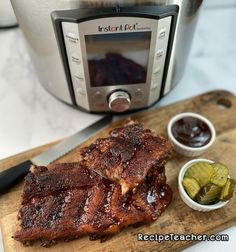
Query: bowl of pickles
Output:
(205,185)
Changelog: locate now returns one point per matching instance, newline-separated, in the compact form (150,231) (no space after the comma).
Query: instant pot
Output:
(104,56)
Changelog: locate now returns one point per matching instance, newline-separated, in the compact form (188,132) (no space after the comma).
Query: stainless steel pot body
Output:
(34,17)
(7,16)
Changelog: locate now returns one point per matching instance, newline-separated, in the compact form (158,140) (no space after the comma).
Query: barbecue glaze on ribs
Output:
(67,201)
(127,155)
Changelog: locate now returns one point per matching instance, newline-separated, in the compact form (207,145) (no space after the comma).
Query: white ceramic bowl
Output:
(183,194)
(186,150)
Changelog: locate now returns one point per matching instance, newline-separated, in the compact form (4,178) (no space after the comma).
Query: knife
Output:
(13,175)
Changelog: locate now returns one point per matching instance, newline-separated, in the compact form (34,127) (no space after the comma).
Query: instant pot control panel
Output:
(116,59)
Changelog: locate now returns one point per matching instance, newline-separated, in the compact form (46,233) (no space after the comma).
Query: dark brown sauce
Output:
(192,132)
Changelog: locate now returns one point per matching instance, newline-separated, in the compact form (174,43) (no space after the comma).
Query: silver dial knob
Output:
(119,101)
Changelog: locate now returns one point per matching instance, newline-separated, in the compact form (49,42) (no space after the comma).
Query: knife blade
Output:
(13,175)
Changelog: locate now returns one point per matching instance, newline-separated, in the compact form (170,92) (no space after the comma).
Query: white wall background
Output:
(219,3)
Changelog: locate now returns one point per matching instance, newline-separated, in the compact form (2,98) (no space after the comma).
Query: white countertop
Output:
(31,117)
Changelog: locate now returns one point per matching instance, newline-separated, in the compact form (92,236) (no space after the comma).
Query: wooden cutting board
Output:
(220,108)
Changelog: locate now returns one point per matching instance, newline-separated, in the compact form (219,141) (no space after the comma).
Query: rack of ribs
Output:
(127,155)
(67,201)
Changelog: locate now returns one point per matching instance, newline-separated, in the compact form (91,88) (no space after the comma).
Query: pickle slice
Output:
(209,194)
(191,186)
(201,171)
(220,175)
(228,190)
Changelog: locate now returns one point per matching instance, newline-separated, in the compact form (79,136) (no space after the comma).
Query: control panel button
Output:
(157,70)
(138,93)
(80,91)
(159,53)
(162,33)
(76,60)
(72,37)
(97,96)
(79,76)
(119,101)
(154,85)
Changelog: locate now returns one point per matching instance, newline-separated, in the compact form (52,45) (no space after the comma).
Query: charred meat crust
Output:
(43,181)
(98,211)
(120,182)
(127,155)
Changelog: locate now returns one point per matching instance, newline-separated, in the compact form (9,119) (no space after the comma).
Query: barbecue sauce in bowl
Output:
(192,132)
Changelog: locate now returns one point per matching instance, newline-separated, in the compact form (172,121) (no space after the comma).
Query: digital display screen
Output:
(118,59)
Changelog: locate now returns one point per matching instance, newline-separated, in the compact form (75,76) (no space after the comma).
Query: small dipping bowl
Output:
(183,194)
(191,134)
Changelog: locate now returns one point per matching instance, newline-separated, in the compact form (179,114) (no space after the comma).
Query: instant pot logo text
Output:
(122,27)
